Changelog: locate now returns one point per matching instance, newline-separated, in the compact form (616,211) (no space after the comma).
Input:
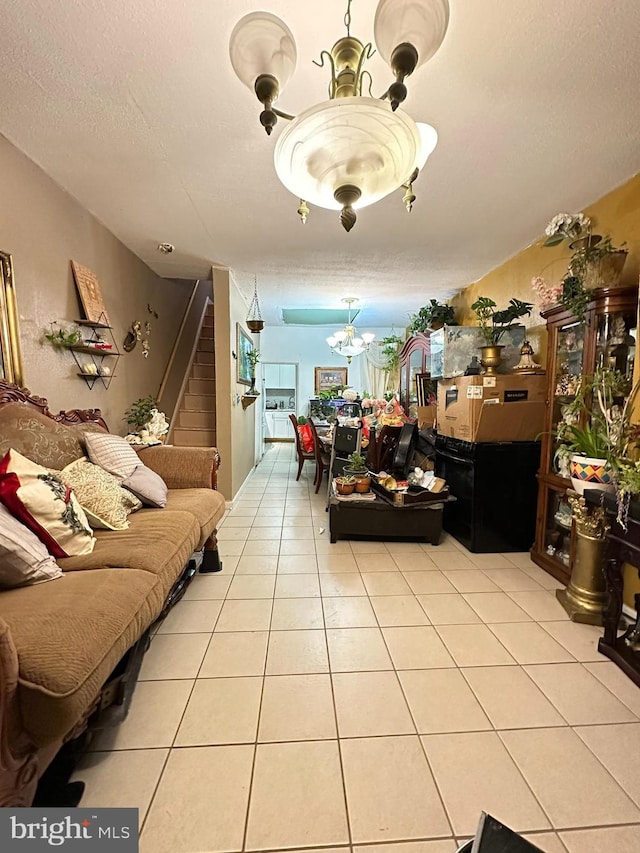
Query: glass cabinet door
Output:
(415,367)
(616,342)
(557,531)
(568,366)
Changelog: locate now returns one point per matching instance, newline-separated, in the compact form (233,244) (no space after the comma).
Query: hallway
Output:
(339,696)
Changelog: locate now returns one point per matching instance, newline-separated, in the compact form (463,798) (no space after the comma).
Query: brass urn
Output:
(491,358)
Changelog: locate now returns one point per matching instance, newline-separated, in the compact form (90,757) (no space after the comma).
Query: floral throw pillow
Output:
(44,504)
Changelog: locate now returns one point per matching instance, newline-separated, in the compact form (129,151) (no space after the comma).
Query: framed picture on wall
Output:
(244,345)
(327,377)
(10,353)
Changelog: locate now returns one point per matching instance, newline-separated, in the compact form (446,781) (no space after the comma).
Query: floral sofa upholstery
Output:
(61,641)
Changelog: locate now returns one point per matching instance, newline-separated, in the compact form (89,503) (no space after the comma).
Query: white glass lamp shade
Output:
(262,44)
(368,337)
(355,141)
(422,23)
(332,341)
(340,336)
(357,342)
(428,140)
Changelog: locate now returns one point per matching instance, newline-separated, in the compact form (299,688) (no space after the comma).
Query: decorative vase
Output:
(585,597)
(590,473)
(490,358)
(601,272)
(605,271)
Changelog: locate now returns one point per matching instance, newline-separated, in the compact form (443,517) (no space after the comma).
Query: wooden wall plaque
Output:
(90,294)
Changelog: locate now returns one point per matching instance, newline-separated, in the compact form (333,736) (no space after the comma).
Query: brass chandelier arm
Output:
(280,114)
(333,82)
(367,53)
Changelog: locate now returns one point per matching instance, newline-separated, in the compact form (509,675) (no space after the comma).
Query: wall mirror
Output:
(10,354)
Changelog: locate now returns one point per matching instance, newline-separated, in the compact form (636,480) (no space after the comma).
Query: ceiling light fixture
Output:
(354,149)
(345,342)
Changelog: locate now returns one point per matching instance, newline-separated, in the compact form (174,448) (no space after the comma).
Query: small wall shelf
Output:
(101,333)
(248,400)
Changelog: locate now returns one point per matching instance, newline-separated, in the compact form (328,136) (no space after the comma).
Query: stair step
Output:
(205,345)
(197,420)
(201,386)
(206,332)
(185,437)
(202,371)
(204,357)
(199,403)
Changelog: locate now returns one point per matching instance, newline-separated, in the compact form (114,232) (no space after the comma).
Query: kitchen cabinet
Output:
(606,338)
(280,376)
(278,426)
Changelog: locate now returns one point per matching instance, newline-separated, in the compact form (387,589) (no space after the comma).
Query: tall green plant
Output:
(140,413)
(493,324)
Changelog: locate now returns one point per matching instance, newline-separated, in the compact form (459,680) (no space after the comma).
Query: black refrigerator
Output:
(496,492)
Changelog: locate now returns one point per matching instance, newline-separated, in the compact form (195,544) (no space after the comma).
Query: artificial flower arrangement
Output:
(595,262)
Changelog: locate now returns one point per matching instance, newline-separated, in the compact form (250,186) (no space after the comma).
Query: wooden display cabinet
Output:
(415,361)
(606,338)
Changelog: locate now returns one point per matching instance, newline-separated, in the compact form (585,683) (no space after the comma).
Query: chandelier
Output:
(344,342)
(354,149)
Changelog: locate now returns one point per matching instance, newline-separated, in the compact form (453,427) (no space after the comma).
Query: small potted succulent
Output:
(345,484)
(357,468)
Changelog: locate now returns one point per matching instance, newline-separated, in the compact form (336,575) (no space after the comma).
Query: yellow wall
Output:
(235,426)
(616,214)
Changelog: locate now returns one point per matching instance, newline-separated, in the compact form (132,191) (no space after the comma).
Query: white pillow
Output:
(112,452)
(42,502)
(23,558)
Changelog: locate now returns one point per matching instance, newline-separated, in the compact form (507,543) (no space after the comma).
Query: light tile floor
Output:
(368,697)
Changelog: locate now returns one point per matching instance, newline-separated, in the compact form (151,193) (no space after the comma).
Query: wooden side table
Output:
(622,546)
(378,519)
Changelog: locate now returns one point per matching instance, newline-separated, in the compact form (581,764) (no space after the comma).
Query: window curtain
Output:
(374,378)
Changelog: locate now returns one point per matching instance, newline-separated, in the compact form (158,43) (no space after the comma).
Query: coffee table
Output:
(378,519)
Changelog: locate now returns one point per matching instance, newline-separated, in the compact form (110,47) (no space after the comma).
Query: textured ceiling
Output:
(132,106)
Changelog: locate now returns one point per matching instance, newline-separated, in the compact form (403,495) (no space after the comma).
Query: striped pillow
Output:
(113,453)
(23,558)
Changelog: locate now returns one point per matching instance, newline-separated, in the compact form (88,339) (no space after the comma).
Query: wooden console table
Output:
(622,547)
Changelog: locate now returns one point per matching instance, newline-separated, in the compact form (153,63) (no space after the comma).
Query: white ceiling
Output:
(132,106)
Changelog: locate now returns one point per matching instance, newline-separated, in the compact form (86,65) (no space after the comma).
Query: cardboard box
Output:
(426,416)
(492,408)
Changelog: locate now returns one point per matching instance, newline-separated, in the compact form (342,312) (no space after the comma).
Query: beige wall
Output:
(44,229)
(235,426)
(616,214)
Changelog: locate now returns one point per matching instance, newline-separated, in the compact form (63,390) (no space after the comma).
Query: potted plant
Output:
(595,261)
(596,430)
(64,338)
(391,351)
(149,425)
(494,324)
(432,316)
(345,484)
(357,468)
(253,357)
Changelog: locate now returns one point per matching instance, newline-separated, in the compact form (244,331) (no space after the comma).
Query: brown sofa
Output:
(62,641)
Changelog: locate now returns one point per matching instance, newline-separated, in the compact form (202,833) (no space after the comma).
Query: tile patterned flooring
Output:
(368,697)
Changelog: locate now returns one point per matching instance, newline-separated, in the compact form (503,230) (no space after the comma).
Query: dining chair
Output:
(380,457)
(323,459)
(303,454)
